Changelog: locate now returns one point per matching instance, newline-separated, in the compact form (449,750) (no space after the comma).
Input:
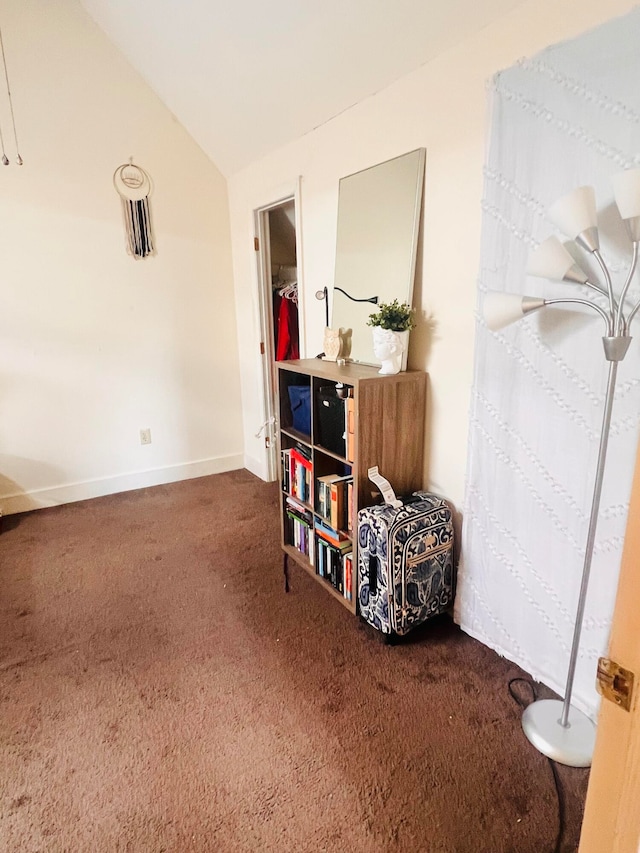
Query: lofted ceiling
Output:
(245,77)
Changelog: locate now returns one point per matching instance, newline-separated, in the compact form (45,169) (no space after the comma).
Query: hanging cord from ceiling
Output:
(5,159)
(557,848)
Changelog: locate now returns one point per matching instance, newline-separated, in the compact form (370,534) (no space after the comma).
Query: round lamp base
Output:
(571,745)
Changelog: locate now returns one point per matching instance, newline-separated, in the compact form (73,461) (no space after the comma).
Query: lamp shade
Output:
(626,191)
(501,309)
(575,212)
(552,260)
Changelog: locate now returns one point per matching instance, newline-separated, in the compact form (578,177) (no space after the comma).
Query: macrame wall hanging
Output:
(133,185)
(5,159)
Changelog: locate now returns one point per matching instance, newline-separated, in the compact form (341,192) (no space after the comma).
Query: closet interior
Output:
(284,282)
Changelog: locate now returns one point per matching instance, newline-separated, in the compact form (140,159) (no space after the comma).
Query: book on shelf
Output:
(300,533)
(335,566)
(334,537)
(348,576)
(300,457)
(303,449)
(332,499)
(294,506)
(338,503)
(286,469)
(350,431)
(323,493)
(337,514)
(320,557)
(297,472)
(337,507)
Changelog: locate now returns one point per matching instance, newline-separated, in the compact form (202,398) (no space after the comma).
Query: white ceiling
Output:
(247,76)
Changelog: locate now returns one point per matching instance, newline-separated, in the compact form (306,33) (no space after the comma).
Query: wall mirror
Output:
(378,222)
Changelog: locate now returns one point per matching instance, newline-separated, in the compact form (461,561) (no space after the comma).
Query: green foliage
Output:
(396,316)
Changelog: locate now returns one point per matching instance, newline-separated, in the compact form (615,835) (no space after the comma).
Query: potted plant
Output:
(395,316)
(391,325)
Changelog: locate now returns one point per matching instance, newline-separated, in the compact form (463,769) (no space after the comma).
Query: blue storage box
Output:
(300,399)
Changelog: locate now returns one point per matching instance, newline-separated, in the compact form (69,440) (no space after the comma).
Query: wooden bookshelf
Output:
(388,425)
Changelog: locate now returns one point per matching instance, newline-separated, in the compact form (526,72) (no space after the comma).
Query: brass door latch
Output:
(615,683)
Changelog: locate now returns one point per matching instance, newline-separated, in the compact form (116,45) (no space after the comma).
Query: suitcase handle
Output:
(407,500)
(373,574)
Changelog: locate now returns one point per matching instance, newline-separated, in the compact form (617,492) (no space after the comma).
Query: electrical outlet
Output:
(145,436)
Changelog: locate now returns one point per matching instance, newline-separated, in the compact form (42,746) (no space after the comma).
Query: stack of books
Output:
(297,472)
(334,558)
(334,499)
(300,527)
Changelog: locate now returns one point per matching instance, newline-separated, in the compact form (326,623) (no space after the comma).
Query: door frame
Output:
(263,264)
(611,811)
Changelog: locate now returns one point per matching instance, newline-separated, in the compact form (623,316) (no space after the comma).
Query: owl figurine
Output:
(332,344)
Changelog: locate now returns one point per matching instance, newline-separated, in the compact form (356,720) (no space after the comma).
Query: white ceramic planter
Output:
(391,348)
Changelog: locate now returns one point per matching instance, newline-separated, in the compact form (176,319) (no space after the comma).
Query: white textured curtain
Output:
(568,117)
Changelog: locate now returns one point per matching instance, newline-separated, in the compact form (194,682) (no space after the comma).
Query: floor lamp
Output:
(554,727)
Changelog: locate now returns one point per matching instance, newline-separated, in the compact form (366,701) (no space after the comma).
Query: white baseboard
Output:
(256,466)
(70,492)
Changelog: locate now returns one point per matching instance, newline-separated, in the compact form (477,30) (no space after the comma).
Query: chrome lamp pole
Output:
(554,727)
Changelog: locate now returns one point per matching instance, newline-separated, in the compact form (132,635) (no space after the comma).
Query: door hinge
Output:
(267,441)
(261,347)
(256,244)
(615,683)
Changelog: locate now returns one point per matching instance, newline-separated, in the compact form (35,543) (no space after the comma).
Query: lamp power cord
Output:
(552,764)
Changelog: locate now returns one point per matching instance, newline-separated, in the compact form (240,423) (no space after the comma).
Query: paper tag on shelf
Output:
(385,487)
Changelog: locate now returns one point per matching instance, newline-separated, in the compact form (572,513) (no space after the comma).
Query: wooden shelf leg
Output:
(285,571)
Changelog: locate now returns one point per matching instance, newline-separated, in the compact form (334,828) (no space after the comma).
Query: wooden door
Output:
(612,811)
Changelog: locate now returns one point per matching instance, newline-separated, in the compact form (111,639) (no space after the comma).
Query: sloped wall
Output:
(95,346)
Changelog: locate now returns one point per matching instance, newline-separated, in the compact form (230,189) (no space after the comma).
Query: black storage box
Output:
(331,421)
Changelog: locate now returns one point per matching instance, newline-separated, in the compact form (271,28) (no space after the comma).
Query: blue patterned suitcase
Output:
(405,563)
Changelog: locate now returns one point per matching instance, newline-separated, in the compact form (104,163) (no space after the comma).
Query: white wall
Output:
(539,386)
(95,346)
(442,107)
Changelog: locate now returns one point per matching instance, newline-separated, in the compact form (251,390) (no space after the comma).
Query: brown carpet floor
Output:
(159,691)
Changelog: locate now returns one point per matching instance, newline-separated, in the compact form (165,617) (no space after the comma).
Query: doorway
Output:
(278,257)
